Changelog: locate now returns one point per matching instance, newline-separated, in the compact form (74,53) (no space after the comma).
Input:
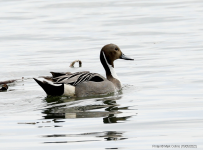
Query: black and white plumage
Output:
(78,78)
(81,84)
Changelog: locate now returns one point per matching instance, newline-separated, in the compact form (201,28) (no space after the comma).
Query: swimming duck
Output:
(82,84)
(4,88)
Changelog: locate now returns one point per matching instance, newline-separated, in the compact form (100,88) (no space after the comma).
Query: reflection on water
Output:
(70,108)
(60,108)
(113,119)
(108,136)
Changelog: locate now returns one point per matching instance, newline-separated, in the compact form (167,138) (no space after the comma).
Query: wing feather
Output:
(78,78)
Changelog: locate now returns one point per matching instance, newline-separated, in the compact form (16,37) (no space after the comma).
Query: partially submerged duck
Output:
(82,84)
(4,88)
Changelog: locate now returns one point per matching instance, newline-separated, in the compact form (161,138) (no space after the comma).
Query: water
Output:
(161,101)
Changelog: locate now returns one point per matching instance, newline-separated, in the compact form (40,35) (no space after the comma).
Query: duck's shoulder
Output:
(96,77)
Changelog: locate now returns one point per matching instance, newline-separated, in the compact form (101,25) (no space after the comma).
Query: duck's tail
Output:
(51,89)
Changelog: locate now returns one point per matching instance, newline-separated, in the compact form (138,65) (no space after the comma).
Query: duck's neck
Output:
(110,72)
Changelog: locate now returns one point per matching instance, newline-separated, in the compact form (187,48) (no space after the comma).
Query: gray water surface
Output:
(162,98)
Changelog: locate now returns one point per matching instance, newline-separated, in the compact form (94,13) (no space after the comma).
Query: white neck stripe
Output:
(113,73)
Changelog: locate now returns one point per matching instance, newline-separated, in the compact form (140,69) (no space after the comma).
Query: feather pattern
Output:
(78,78)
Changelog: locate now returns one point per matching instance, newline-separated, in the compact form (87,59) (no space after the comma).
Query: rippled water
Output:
(162,97)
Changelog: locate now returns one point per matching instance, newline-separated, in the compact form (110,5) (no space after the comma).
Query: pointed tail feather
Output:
(51,89)
(57,74)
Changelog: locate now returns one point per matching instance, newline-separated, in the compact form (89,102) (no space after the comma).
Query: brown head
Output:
(108,54)
(112,52)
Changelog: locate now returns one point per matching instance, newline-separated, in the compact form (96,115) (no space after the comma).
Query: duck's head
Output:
(111,52)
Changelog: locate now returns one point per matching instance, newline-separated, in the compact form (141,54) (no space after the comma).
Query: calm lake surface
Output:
(162,98)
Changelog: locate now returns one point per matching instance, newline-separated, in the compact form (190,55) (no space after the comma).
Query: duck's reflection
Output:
(113,119)
(109,136)
(107,108)
(59,109)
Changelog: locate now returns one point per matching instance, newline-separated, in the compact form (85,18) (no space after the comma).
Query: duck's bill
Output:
(125,57)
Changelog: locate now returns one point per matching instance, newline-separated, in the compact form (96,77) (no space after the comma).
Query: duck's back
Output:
(77,78)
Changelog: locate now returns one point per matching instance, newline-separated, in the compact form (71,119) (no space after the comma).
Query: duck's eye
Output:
(116,49)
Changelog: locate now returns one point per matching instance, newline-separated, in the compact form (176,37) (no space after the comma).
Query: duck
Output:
(85,84)
(4,88)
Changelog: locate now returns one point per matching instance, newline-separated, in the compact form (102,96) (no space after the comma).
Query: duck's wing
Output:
(58,74)
(78,78)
